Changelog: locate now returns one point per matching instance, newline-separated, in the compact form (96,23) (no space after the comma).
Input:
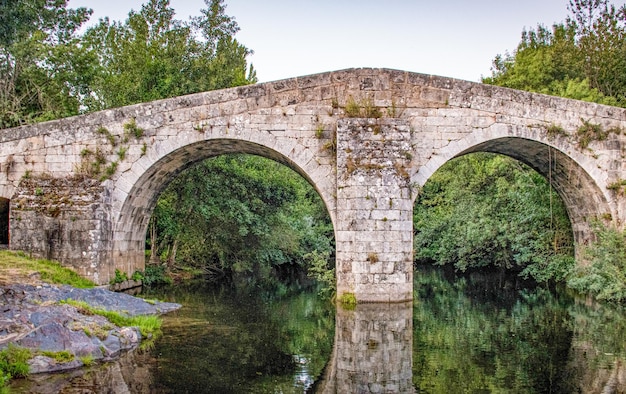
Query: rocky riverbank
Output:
(32,316)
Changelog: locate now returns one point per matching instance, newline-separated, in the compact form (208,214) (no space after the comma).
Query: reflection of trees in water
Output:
(473,335)
(458,336)
(222,340)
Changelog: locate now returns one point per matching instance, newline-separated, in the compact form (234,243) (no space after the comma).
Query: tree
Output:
(583,58)
(44,67)
(153,56)
(486,210)
(241,215)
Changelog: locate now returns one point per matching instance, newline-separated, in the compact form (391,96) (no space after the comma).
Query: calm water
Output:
(476,334)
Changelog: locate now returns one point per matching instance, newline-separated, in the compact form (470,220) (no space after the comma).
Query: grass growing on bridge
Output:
(17,267)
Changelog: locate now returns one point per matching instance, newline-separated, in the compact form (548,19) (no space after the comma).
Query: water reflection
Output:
(372,351)
(469,334)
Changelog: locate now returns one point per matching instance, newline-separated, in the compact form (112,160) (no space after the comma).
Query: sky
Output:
(290,38)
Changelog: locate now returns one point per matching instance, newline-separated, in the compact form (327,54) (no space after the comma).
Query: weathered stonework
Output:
(374,222)
(63,219)
(367,170)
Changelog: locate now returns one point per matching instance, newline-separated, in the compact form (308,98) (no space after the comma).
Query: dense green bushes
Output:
(240,217)
(486,210)
(604,272)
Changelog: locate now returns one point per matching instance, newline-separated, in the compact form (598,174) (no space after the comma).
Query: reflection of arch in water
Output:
(148,179)
(373,350)
(568,173)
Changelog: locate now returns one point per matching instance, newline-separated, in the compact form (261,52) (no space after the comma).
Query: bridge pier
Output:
(374,222)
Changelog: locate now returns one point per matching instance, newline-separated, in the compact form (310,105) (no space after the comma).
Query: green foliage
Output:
(45,69)
(137,276)
(588,132)
(362,109)
(554,131)
(347,301)
(486,210)
(87,360)
(604,275)
(52,70)
(63,356)
(119,277)
(206,214)
(152,55)
(131,129)
(583,58)
(105,132)
(320,270)
(155,275)
(13,363)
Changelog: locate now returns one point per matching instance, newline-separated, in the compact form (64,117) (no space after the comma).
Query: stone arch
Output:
(132,210)
(568,170)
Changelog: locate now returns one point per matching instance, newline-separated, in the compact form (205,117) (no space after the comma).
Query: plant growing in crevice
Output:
(370,110)
(393,111)
(362,109)
(319,131)
(121,153)
(554,131)
(588,132)
(372,257)
(331,145)
(347,301)
(617,186)
(107,134)
(120,277)
(401,170)
(350,165)
(109,171)
(131,129)
(352,109)
(92,162)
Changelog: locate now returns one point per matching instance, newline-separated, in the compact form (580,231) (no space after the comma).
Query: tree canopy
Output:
(52,70)
(582,58)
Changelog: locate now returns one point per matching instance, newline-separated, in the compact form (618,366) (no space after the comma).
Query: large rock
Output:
(32,317)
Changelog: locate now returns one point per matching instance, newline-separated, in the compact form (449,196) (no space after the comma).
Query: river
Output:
(478,333)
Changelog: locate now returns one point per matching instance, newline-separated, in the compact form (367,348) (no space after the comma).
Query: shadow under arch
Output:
(583,198)
(131,223)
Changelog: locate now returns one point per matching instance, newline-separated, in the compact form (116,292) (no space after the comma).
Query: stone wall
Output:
(63,219)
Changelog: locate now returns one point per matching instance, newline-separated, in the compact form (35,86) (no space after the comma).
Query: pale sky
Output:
(290,38)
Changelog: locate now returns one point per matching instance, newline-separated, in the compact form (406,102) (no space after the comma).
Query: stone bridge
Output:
(82,189)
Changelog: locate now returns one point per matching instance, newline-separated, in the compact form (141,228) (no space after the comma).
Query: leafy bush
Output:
(490,211)
(156,275)
(13,363)
(120,277)
(320,270)
(605,274)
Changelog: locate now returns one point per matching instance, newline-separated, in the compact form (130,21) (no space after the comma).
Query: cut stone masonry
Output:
(74,196)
